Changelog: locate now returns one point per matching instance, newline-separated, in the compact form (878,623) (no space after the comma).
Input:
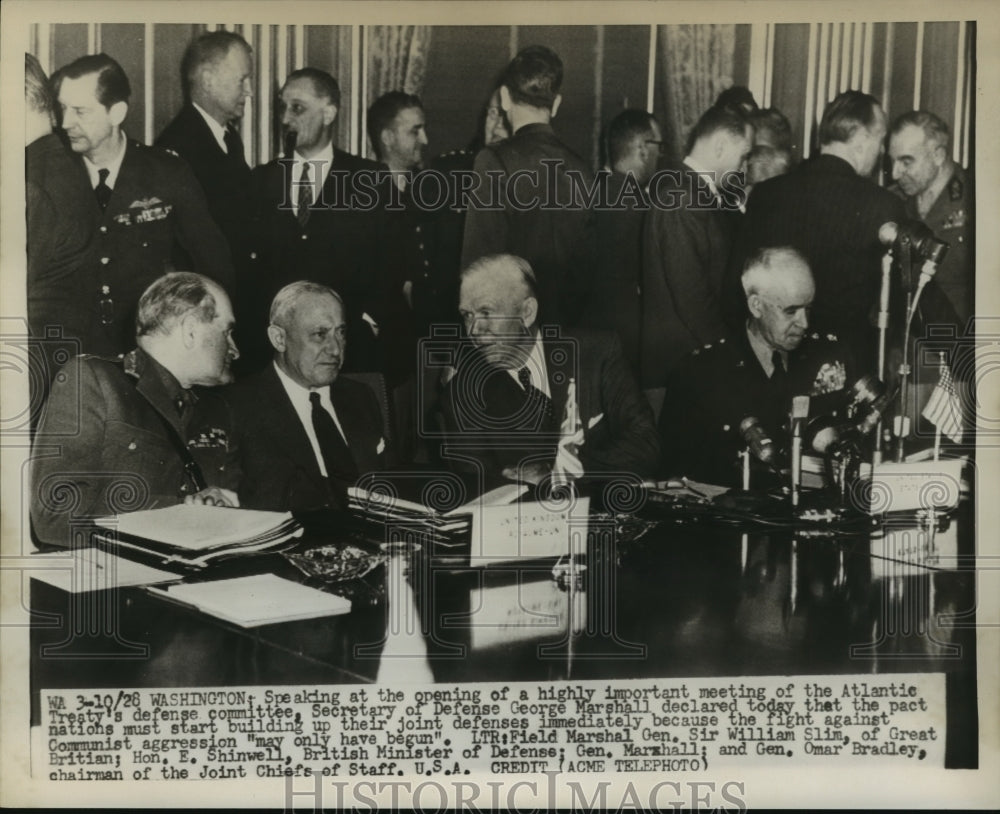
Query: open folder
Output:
(263,599)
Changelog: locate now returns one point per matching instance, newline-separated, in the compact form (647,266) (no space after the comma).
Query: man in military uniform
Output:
(754,373)
(217,73)
(686,237)
(147,211)
(144,431)
(938,191)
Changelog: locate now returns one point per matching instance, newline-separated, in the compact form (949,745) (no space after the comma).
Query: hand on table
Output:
(214,496)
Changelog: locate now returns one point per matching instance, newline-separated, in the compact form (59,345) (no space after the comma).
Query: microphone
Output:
(291,137)
(874,416)
(757,439)
(887,233)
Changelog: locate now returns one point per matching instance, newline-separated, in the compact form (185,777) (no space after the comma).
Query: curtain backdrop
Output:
(696,63)
(397,59)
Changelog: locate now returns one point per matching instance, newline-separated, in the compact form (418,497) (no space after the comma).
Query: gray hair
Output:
(759,267)
(171,297)
(287,300)
(935,130)
(504,262)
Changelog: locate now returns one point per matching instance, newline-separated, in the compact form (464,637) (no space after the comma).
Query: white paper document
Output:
(262,599)
(90,569)
(195,527)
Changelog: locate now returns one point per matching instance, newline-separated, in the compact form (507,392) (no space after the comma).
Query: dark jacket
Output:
(686,244)
(156,221)
(279,467)
(225,179)
(343,245)
(102,447)
(551,226)
(714,388)
(832,215)
(486,420)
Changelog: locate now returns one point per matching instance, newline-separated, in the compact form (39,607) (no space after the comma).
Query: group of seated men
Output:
(583,326)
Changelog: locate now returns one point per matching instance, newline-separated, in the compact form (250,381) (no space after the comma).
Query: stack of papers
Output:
(402,519)
(263,599)
(90,569)
(196,535)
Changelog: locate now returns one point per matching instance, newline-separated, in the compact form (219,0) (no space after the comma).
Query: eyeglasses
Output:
(660,145)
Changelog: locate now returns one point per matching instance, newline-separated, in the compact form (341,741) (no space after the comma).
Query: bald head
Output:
(779,288)
(498,306)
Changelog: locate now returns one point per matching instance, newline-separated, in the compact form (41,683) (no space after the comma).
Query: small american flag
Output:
(944,409)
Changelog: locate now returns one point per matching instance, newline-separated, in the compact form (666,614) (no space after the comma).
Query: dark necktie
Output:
(234,146)
(779,378)
(333,447)
(305,195)
(535,397)
(102,191)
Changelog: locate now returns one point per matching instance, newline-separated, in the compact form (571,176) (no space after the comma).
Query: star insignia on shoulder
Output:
(831,337)
(174,153)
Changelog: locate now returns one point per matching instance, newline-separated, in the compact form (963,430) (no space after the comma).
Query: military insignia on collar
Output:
(955,189)
(130,364)
(213,438)
(829,379)
(956,220)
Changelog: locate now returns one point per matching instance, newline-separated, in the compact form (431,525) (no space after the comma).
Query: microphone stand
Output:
(902,420)
(883,328)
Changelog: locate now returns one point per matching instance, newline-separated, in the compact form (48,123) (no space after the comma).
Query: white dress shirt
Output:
(113,167)
(299,396)
(536,364)
(218,130)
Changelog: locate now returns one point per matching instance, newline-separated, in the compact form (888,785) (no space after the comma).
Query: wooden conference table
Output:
(664,595)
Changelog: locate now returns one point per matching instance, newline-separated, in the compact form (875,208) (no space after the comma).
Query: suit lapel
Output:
(289,433)
(150,387)
(352,426)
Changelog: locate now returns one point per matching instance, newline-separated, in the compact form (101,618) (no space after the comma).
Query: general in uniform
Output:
(106,447)
(715,387)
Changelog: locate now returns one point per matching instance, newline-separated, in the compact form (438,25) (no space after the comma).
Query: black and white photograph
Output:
(499,406)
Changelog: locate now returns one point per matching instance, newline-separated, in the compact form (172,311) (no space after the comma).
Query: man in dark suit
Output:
(752,373)
(146,430)
(217,73)
(542,213)
(633,141)
(525,402)
(318,215)
(58,240)
(686,243)
(305,432)
(147,212)
(830,210)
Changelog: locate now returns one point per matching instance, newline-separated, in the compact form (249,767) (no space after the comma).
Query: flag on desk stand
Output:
(944,408)
(567,466)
